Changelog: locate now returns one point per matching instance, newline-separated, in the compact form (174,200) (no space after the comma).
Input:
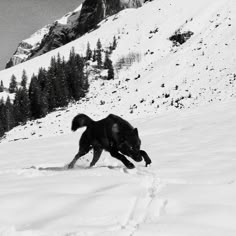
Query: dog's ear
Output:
(135,131)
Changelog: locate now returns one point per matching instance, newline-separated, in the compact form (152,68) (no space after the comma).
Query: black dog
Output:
(112,134)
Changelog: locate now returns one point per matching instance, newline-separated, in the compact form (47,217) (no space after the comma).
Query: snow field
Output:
(188,190)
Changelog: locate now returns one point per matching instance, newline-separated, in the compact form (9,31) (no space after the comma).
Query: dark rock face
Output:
(94,11)
(52,36)
(78,23)
(58,36)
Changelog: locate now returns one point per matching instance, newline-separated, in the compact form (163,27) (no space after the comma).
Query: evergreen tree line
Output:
(55,87)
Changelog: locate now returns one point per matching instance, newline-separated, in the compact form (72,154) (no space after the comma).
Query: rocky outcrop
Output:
(93,12)
(25,48)
(69,27)
(46,39)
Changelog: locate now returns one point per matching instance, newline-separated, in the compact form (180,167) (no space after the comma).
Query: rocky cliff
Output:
(25,48)
(94,11)
(69,27)
(46,39)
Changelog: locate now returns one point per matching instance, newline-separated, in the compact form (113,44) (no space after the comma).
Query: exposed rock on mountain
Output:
(94,11)
(46,39)
(69,27)
(25,48)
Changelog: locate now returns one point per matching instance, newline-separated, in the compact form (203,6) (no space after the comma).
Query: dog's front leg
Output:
(122,158)
(145,157)
(83,149)
(77,156)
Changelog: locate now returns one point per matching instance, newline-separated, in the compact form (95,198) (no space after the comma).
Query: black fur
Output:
(112,134)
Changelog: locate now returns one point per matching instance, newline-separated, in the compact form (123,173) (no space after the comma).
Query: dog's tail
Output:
(81,120)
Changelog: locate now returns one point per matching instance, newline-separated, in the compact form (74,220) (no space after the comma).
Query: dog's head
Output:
(130,145)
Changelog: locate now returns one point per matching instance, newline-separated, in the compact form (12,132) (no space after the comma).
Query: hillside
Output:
(71,26)
(175,78)
(189,189)
(162,76)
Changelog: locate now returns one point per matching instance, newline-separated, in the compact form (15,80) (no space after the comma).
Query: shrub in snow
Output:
(128,60)
(179,38)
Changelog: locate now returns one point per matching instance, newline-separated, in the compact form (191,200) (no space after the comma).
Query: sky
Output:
(21,18)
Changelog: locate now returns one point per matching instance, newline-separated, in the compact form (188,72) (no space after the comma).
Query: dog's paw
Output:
(148,164)
(70,166)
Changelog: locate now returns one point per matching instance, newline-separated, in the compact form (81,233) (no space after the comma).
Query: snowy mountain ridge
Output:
(27,48)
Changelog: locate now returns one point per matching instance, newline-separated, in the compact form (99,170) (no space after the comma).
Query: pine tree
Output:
(99,54)
(43,82)
(22,102)
(110,73)
(106,61)
(88,52)
(51,89)
(2,131)
(35,98)
(62,85)
(114,44)
(1,86)
(94,57)
(17,107)
(9,115)
(24,79)
(76,79)
(13,84)
(2,118)
(44,104)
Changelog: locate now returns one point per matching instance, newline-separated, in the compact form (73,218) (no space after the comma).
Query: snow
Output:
(188,190)
(190,187)
(37,37)
(70,17)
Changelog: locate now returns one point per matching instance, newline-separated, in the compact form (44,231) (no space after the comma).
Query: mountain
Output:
(175,80)
(195,67)
(46,39)
(73,25)
(95,11)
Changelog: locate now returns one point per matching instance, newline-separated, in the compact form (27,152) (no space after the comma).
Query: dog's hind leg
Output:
(145,157)
(123,159)
(96,155)
(83,149)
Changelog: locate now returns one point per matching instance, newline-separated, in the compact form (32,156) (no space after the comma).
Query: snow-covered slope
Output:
(190,189)
(162,77)
(182,99)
